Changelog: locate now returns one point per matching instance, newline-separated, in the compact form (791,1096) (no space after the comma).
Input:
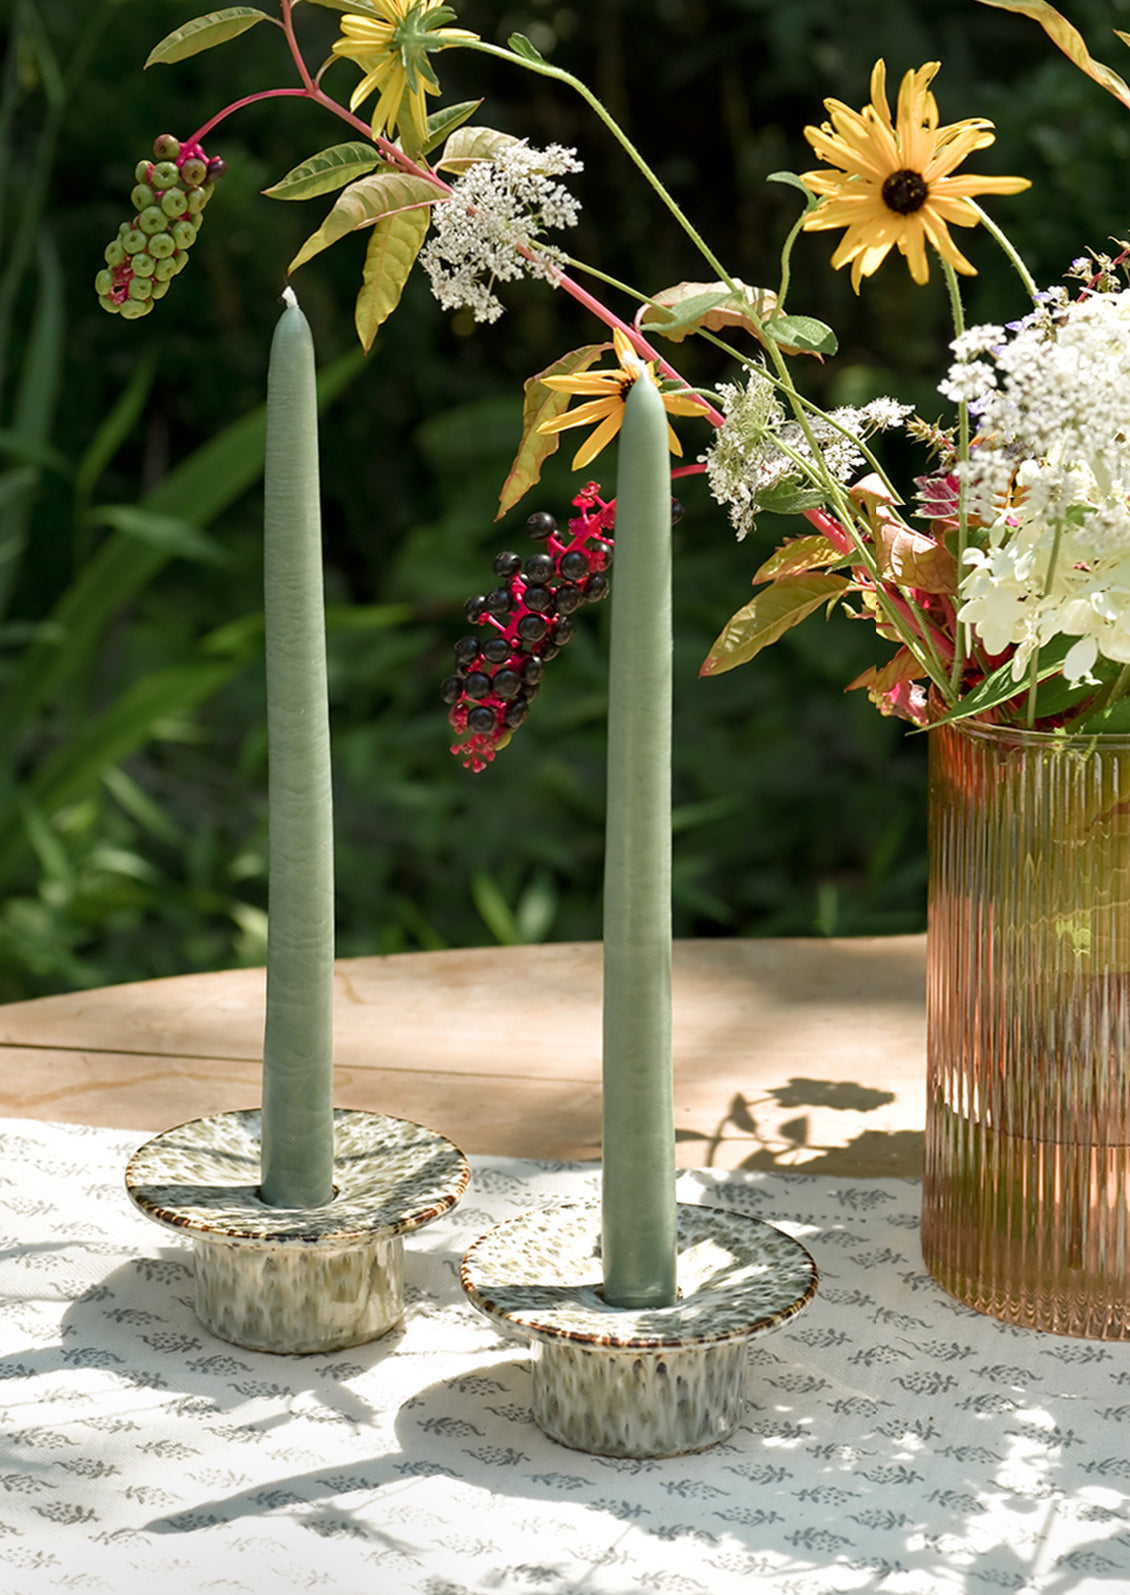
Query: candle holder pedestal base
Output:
(639,1381)
(289,1279)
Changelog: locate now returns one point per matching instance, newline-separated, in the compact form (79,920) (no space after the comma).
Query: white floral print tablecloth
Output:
(895,1441)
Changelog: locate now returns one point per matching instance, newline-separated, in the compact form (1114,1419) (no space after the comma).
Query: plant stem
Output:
(544,69)
(960,630)
(1015,259)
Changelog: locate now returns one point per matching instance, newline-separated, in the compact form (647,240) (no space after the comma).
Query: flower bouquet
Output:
(1000,592)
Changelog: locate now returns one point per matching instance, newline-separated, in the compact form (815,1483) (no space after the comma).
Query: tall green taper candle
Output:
(639,1222)
(297,1145)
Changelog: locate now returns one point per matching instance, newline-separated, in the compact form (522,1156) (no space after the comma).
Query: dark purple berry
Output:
(601,553)
(540,568)
(569,598)
(496,650)
(507,684)
(481,720)
(539,600)
(467,650)
(596,588)
(563,629)
(677,512)
(507,565)
(452,689)
(548,650)
(515,715)
(499,601)
(475,608)
(476,684)
(532,628)
(541,525)
(574,566)
(532,670)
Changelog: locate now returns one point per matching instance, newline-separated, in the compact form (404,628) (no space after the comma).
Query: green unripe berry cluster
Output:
(169,196)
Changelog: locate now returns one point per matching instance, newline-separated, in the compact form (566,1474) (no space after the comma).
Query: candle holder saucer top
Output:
(638,1381)
(297,1279)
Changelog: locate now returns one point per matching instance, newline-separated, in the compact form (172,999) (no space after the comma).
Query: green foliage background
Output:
(132,759)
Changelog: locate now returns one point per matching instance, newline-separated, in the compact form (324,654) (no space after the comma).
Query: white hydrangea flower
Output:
(1051,482)
(485,232)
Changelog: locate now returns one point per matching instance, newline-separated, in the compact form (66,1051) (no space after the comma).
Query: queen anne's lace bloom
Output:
(758,451)
(1051,482)
(485,232)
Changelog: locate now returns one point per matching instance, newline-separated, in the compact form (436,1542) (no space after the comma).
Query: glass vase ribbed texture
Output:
(1026,1198)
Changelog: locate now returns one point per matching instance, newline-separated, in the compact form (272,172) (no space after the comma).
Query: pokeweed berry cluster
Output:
(527,620)
(169,197)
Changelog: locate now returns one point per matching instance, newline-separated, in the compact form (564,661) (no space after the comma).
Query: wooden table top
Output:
(801,1054)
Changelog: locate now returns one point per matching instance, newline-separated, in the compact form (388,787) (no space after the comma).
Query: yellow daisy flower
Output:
(894,184)
(611,389)
(393,52)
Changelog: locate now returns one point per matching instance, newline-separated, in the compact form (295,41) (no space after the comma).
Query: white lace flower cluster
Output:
(1050,480)
(757,452)
(485,231)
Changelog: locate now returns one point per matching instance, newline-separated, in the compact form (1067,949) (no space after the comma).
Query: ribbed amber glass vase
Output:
(1026,1201)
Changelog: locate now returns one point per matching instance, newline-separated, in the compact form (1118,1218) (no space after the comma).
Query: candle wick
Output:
(290,298)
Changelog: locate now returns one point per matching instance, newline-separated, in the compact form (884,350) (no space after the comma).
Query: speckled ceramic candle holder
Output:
(638,1382)
(289,1279)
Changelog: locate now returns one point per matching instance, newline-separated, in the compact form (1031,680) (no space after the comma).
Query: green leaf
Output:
(798,555)
(357,7)
(168,533)
(1069,40)
(364,202)
(79,764)
(786,499)
(768,616)
(1112,721)
(209,480)
(1001,685)
(791,180)
(115,428)
(446,120)
(470,144)
(675,324)
(395,242)
(541,404)
(202,33)
(803,333)
(522,46)
(322,173)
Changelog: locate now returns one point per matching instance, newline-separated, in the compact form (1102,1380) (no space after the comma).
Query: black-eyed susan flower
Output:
(609,389)
(893,182)
(392,49)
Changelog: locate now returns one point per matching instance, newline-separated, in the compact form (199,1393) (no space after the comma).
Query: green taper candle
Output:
(639,1226)
(297,1140)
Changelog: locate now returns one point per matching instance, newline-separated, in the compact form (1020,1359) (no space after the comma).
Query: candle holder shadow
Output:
(638,1382)
(288,1279)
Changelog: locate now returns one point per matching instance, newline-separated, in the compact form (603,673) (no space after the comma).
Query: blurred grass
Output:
(132,758)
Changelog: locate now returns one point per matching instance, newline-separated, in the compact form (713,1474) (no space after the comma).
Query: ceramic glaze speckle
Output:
(297,1279)
(637,1382)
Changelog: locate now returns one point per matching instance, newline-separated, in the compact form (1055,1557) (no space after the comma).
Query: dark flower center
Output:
(905,191)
